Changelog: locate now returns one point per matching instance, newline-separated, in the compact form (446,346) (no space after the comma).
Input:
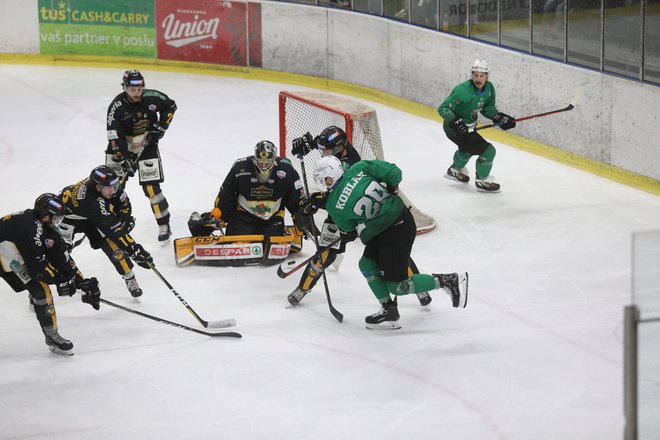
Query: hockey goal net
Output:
(301,112)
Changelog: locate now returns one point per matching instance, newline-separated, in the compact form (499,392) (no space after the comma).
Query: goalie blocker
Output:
(232,250)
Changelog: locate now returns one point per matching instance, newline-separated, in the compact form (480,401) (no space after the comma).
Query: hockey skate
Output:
(487,185)
(424,298)
(456,286)
(57,344)
(386,319)
(296,296)
(164,234)
(457,175)
(133,286)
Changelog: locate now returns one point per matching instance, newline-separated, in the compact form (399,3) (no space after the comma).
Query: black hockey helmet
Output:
(105,176)
(50,204)
(331,139)
(132,78)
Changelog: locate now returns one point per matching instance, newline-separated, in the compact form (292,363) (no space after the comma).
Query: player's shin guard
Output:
(313,272)
(461,158)
(158,202)
(414,284)
(42,300)
(485,162)
(370,271)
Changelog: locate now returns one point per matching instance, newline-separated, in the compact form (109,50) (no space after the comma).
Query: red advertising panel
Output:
(209,31)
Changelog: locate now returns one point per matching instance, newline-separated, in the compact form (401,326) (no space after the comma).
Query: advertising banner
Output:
(209,31)
(88,27)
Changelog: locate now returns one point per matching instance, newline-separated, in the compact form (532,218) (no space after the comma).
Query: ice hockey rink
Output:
(537,353)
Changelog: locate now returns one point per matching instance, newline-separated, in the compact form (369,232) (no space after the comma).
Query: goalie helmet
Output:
(104,176)
(328,166)
(480,66)
(132,78)
(264,159)
(331,140)
(50,204)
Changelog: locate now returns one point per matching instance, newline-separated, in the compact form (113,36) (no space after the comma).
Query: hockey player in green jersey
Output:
(459,112)
(363,201)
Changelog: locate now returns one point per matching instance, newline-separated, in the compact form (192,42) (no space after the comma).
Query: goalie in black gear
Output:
(331,141)
(253,198)
(99,208)
(33,255)
(137,119)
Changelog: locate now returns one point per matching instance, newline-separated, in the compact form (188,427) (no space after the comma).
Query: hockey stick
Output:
(173,324)
(297,265)
(336,313)
(576,97)
(213,324)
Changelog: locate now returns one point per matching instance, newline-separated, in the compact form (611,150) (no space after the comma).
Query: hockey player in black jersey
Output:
(254,196)
(99,208)
(332,141)
(33,255)
(137,119)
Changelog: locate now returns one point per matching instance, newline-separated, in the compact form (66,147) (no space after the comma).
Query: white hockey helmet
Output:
(480,66)
(328,166)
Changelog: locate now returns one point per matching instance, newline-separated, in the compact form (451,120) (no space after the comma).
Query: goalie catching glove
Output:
(202,225)
(303,145)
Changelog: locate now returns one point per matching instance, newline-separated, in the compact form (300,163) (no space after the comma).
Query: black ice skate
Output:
(296,296)
(57,344)
(386,319)
(456,287)
(487,185)
(133,287)
(424,298)
(457,175)
(164,234)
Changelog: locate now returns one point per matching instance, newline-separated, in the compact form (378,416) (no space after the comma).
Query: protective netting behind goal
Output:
(301,112)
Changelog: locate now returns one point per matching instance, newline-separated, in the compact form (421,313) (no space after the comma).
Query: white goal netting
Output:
(301,112)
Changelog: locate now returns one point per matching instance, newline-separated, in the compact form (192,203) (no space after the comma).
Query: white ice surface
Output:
(537,354)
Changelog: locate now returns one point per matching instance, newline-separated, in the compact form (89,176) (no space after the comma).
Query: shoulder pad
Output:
(243,159)
(155,93)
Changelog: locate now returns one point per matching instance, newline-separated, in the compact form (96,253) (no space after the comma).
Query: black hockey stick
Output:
(298,265)
(213,324)
(576,97)
(336,313)
(173,324)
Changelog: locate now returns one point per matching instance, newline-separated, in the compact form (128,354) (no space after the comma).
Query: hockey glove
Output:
(90,292)
(141,257)
(128,222)
(157,131)
(459,127)
(347,237)
(393,189)
(315,202)
(302,145)
(504,121)
(305,223)
(68,287)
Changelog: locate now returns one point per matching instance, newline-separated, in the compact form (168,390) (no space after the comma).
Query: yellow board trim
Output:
(610,172)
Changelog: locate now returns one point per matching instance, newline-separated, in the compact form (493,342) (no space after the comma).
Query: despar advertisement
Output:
(209,31)
(109,28)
